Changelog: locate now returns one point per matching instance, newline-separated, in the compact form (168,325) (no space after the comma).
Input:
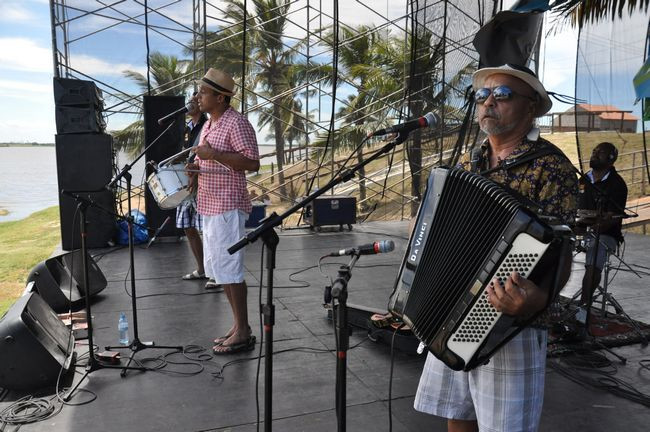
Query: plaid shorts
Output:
(187,216)
(506,394)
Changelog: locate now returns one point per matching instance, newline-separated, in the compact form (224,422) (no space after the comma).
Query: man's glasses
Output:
(500,93)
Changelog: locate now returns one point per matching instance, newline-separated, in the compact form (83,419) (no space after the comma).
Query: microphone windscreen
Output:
(386,246)
(433,119)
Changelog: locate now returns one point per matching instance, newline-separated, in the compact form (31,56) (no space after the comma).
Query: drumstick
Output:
(213,160)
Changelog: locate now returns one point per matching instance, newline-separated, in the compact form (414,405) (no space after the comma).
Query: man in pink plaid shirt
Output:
(227,148)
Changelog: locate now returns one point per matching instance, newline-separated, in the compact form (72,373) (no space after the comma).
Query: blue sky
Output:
(27,108)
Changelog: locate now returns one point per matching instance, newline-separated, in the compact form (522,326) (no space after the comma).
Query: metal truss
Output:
(190,29)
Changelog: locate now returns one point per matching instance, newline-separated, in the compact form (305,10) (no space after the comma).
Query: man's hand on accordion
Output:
(519,297)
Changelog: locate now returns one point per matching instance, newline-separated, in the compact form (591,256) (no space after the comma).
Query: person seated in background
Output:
(607,200)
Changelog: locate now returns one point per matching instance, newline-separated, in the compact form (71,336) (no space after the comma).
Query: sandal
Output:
(247,345)
(213,285)
(221,339)
(195,275)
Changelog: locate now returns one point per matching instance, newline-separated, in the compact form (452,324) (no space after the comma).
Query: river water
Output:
(28,180)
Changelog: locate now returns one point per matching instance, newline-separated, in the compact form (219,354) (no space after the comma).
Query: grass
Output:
(23,244)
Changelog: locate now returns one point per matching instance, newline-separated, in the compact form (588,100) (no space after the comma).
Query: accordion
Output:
(468,231)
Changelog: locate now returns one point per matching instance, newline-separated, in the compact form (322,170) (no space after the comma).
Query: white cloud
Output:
(558,52)
(24,54)
(23,86)
(95,66)
(11,11)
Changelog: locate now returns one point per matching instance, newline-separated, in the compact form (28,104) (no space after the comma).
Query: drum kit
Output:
(585,234)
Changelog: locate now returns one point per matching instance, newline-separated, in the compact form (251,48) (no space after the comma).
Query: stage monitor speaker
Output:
(84,162)
(59,280)
(75,120)
(331,210)
(74,92)
(34,345)
(100,226)
(156,107)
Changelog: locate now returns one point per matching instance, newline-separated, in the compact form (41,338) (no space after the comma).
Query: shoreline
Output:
(23,244)
(27,144)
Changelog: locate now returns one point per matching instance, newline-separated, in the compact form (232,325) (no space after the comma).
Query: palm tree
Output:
(581,12)
(357,66)
(423,61)
(168,78)
(268,62)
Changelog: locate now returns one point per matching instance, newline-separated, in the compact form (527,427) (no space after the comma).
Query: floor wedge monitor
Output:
(60,283)
(34,345)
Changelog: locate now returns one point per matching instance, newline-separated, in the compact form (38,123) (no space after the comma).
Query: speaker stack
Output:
(79,106)
(84,158)
(156,107)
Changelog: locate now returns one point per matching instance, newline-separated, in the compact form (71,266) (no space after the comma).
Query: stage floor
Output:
(192,395)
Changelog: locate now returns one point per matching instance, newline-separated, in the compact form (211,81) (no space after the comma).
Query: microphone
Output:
(188,107)
(382,246)
(428,120)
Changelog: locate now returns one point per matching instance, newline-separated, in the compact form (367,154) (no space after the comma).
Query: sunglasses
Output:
(500,93)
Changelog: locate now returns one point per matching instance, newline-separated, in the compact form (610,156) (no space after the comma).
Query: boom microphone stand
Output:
(93,364)
(136,345)
(266,230)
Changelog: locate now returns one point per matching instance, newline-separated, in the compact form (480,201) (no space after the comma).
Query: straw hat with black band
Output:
(218,81)
(524,74)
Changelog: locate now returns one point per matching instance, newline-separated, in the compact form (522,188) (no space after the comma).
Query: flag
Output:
(641,81)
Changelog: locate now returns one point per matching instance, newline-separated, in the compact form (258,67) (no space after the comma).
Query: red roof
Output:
(613,114)
(617,116)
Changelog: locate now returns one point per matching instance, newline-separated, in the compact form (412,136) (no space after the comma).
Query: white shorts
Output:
(219,233)
(506,394)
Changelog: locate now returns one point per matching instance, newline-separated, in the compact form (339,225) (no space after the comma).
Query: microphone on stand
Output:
(188,107)
(382,246)
(428,120)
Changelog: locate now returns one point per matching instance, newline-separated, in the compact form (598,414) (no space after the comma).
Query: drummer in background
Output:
(604,177)
(187,218)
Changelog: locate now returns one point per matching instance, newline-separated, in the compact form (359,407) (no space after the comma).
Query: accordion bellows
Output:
(468,231)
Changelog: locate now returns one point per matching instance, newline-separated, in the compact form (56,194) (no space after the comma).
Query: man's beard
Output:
(495,129)
(597,164)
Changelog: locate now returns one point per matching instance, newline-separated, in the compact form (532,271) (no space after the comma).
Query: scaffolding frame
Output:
(309,17)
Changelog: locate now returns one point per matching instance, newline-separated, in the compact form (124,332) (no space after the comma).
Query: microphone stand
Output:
(270,239)
(339,292)
(136,345)
(93,364)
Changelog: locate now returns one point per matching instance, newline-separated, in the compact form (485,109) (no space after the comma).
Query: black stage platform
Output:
(176,312)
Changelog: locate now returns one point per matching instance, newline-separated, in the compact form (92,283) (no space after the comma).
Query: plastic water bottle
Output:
(123,328)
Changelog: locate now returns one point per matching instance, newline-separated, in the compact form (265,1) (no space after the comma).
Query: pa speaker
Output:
(59,280)
(74,92)
(74,120)
(84,162)
(100,222)
(167,144)
(34,345)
